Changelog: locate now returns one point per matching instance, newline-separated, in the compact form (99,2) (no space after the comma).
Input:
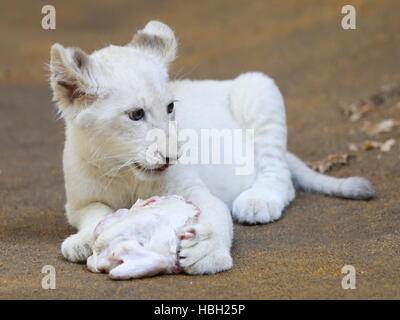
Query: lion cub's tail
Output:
(310,180)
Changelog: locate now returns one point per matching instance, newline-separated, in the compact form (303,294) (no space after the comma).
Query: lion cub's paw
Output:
(76,248)
(203,253)
(257,206)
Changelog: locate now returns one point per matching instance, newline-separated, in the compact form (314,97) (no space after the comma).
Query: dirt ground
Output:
(318,66)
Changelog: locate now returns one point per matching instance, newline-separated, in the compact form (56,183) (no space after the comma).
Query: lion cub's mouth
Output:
(158,169)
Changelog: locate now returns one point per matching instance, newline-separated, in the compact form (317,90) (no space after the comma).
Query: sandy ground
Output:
(317,64)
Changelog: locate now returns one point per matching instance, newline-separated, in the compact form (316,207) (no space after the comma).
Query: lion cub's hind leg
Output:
(257,103)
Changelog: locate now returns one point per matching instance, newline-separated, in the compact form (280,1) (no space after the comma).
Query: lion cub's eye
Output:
(170,107)
(136,115)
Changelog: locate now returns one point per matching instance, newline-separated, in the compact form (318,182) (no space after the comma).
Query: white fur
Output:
(94,93)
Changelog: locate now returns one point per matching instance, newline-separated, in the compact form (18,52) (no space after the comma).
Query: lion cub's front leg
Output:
(77,247)
(208,249)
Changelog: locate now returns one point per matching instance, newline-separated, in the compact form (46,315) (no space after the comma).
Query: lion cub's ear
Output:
(157,38)
(70,74)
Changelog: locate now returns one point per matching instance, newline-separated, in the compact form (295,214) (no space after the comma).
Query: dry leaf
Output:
(356,110)
(382,126)
(327,164)
(338,158)
(355,117)
(360,112)
(353,147)
(387,91)
(349,109)
(387,145)
(382,146)
(369,145)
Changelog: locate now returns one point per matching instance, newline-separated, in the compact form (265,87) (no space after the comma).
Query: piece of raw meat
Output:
(143,241)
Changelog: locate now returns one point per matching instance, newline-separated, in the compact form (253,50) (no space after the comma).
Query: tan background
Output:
(316,63)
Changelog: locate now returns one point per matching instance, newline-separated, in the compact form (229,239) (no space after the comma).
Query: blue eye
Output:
(136,115)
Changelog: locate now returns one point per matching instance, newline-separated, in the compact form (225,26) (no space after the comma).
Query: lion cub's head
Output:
(115,96)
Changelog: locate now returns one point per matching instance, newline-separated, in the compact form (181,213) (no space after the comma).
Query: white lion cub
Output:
(113,97)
